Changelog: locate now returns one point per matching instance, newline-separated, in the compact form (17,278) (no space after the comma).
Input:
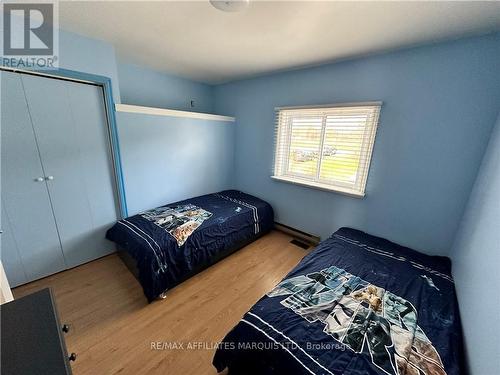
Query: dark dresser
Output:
(32,338)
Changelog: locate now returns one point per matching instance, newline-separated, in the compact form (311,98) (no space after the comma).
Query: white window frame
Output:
(283,140)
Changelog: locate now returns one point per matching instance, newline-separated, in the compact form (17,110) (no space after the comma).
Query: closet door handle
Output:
(39,179)
(49,178)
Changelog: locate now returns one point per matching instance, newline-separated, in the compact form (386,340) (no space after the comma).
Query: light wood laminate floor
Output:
(112,327)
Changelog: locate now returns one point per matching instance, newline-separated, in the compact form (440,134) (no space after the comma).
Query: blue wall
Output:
(141,86)
(166,159)
(440,102)
(82,54)
(88,55)
(476,257)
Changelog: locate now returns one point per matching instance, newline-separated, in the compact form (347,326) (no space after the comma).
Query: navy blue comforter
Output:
(175,241)
(357,304)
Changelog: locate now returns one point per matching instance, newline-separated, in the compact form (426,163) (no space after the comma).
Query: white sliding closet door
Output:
(30,243)
(11,257)
(97,173)
(71,133)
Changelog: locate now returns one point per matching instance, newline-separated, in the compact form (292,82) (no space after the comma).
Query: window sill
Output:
(319,186)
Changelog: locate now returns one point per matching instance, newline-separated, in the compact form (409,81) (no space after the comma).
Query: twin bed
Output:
(356,304)
(166,245)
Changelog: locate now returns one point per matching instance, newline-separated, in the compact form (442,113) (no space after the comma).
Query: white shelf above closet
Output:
(170,112)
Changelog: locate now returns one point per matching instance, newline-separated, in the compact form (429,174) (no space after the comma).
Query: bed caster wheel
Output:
(163,295)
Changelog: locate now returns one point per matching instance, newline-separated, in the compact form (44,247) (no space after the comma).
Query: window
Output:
(326,147)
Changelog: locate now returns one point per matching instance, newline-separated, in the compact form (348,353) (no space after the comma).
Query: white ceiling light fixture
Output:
(230,5)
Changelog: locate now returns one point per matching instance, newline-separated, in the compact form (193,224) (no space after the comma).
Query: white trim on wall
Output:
(353,104)
(170,112)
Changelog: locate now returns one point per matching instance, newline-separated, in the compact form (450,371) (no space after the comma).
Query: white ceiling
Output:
(194,40)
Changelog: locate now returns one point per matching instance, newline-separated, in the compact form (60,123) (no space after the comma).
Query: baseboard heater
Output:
(304,236)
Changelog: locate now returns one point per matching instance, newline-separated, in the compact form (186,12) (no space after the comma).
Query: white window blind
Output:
(326,147)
